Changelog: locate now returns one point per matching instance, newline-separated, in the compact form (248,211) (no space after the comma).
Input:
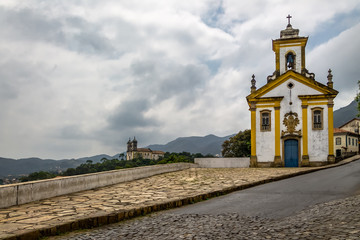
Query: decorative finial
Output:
(253,82)
(288,17)
(329,77)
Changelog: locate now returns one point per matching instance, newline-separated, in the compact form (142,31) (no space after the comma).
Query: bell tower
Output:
(129,149)
(289,51)
(134,145)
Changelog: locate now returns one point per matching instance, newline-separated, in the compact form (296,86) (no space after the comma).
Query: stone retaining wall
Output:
(223,162)
(15,194)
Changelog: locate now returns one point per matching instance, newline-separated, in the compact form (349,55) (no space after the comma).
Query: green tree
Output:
(37,176)
(122,156)
(198,155)
(106,165)
(357,99)
(238,145)
(69,172)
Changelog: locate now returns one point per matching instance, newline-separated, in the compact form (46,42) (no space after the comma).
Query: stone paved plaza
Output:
(334,220)
(151,191)
(122,201)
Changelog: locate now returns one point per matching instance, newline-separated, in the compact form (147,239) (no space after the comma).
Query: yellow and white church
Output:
(292,114)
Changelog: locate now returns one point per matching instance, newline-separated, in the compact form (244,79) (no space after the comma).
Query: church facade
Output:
(292,114)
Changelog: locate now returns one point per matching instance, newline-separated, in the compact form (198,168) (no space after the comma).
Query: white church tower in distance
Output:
(291,115)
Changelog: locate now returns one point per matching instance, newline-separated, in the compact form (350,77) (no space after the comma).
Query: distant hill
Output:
(209,144)
(345,114)
(28,165)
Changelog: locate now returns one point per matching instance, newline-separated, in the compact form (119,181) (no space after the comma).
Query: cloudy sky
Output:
(78,78)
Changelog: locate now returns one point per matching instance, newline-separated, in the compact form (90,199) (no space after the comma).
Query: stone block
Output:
(223,162)
(8,195)
(102,220)
(113,218)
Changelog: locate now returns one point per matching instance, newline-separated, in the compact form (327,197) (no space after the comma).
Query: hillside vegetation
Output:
(106,165)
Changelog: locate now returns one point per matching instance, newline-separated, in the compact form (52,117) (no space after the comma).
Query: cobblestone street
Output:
(334,220)
(123,201)
(72,211)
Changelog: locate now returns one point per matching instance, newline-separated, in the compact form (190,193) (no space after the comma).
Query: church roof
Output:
(148,150)
(289,32)
(297,77)
(144,150)
(158,152)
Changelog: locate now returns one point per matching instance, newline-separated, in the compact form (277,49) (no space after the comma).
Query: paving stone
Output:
(158,191)
(308,224)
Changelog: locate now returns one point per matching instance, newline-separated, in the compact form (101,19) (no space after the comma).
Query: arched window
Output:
(317,116)
(265,120)
(290,61)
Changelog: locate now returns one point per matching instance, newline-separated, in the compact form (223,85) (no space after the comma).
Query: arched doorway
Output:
(291,153)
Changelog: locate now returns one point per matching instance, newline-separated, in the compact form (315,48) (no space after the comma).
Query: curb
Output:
(97,221)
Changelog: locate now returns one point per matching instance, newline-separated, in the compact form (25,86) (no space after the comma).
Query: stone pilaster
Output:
(253,157)
(253,161)
(331,159)
(305,162)
(278,162)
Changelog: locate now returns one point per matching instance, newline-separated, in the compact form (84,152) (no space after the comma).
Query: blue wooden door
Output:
(291,153)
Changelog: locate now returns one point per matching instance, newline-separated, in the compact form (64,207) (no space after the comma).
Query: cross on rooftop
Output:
(288,17)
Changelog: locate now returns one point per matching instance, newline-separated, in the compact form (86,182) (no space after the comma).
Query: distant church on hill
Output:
(292,114)
(146,153)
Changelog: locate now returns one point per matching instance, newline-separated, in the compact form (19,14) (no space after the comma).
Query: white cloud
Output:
(79,78)
(339,54)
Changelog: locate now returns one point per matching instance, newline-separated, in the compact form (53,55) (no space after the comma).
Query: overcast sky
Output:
(78,78)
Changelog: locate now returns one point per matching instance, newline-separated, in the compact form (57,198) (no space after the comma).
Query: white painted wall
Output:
(318,139)
(265,150)
(298,89)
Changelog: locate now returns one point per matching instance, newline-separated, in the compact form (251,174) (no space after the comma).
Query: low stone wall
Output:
(223,162)
(15,194)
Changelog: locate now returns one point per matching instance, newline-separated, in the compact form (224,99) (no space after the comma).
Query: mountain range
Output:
(345,114)
(209,144)
(25,166)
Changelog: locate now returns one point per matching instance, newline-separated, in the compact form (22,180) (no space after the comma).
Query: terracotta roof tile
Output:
(144,150)
(149,151)
(339,131)
(158,152)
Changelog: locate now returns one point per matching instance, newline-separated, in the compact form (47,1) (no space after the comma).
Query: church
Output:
(292,114)
(134,152)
